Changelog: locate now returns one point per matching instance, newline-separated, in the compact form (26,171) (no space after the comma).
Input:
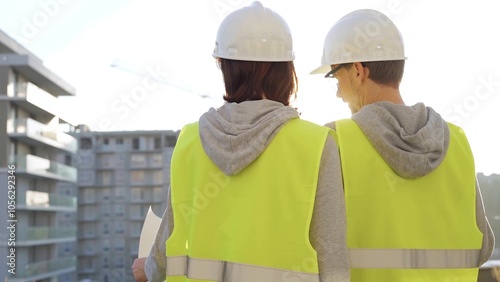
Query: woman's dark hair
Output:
(249,80)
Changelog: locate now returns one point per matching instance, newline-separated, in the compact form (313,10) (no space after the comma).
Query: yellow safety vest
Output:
(252,226)
(401,229)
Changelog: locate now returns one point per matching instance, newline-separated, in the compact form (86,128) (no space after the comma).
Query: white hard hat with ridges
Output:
(254,33)
(361,36)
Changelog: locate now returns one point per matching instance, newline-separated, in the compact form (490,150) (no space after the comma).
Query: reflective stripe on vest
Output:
(407,258)
(217,270)
(402,229)
(257,220)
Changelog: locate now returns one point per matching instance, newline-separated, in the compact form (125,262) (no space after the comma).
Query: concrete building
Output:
(120,175)
(37,171)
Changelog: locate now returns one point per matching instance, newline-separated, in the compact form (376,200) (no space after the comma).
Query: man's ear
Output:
(361,71)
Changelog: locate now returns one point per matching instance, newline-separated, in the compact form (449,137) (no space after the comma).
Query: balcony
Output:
(35,133)
(87,200)
(35,200)
(41,167)
(44,269)
(39,103)
(88,270)
(136,216)
(32,236)
(145,199)
(35,100)
(147,183)
(87,217)
(87,235)
(86,251)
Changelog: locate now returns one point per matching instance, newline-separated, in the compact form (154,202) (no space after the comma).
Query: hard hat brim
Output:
(326,68)
(321,70)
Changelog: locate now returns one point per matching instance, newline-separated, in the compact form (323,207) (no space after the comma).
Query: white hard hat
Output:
(361,36)
(254,33)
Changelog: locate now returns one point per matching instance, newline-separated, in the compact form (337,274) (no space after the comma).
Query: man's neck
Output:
(378,93)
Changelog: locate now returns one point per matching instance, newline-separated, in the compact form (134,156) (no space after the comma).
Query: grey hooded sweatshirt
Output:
(413,141)
(233,136)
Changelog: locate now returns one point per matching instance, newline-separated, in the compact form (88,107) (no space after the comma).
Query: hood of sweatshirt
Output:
(413,140)
(234,135)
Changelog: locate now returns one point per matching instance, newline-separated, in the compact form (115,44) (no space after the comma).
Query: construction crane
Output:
(124,66)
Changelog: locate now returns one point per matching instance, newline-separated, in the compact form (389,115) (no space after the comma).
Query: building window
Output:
(106,193)
(105,228)
(85,159)
(135,194)
(157,143)
(158,177)
(119,211)
(170,141)
(88,230)
(85,143)
(67,247)
(105,246)
(88,195)
(119,262)
(138,211)
(137,177)
(159,193)
(120,177)
(88,213)
(88,247)
(119,193)
(106,141)
(87,264)
(85,177)
(67,159)
(106,178)
(135,228)
(137,160)
(105,262)
(135,143)
(119,160)
(119,228)
(119,141)
(105,210)
(157,160)
(107,160)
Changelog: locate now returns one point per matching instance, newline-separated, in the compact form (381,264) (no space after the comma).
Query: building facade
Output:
(120,175)
(38,172)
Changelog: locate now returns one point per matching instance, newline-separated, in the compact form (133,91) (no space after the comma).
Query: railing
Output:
(87,251)
(144,199)
(40,268)
(87,217)
(87,200)
(45,233)
(44,133)
(38,97)
(36,199)
(45,168)
(87,235)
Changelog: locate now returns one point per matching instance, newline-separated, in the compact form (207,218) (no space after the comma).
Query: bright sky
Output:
(452,50)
